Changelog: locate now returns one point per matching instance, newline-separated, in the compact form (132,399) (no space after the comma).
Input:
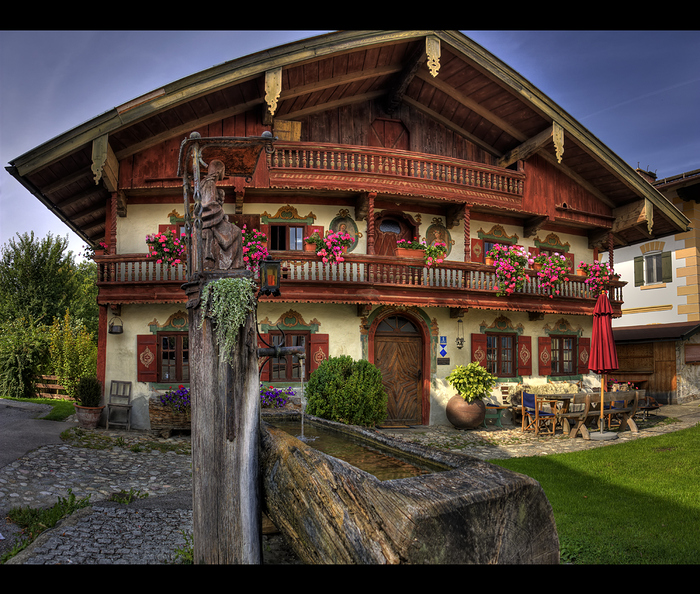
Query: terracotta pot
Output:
(407,253)
(88,416)
(310,247)
(537,266)
(580,272)
(463,414)
(488,261)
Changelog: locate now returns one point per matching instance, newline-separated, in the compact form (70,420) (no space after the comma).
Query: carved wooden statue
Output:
(222,241)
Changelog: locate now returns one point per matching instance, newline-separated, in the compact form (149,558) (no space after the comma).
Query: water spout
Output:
(303,402)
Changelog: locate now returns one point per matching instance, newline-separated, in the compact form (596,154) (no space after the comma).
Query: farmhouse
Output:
(385,136)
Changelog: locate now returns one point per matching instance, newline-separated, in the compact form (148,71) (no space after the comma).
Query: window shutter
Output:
(477,250)
(264,361)
(584,354)
(572,261)
(544,355)
(524,355)
(479,349)
(638,271)
(318,351)
(666,267)
(147,358)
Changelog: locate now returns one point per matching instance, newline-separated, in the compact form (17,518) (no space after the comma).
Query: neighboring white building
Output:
(658,334)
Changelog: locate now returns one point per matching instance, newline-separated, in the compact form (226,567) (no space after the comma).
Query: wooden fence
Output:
(47,386)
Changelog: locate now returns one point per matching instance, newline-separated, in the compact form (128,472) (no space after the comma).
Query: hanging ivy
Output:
(227,302)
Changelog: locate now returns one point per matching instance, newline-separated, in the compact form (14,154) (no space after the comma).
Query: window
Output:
(500,354)
(288,368)
(286,237)
(653,268)
(563,360)
(173,357)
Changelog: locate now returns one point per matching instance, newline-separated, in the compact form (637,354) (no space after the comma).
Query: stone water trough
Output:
(334,513)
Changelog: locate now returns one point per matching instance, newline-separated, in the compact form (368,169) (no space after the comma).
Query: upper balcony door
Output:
(388,229)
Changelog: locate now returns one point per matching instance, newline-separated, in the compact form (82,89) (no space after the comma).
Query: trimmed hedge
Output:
(347,391)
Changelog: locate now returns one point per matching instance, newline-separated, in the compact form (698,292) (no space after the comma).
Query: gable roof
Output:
(474,94)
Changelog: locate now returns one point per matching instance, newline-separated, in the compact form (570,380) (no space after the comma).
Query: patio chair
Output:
(539,414)
(119,405)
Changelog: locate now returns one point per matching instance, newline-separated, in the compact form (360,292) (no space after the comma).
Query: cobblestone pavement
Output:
(148,530)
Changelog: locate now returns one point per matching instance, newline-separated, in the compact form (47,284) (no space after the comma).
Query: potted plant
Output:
(553,272)
(599,274)
(432,254)
(166,247)
(473,382)
(332,247)
(89,393)
(510,262)
(313,243)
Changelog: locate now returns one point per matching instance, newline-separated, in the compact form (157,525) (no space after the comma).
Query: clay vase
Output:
(463,414)
(88,416)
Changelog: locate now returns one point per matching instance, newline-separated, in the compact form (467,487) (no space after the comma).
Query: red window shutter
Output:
(264,361)
(584,354)
(572,261)
(147,358)
(479,349)
(544,355)
(318,351)
(477,250)
(310,229)
(524,355)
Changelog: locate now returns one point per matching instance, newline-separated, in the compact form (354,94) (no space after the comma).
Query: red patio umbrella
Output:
(603,358)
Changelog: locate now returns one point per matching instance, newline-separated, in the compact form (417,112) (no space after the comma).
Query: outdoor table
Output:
(591,412)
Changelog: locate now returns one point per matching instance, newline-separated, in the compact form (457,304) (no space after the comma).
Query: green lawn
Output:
(631,503)
(62,409)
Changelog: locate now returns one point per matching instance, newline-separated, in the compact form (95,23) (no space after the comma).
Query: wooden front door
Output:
(398,353)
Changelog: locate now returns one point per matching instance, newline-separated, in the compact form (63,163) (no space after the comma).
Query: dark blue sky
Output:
(637,91)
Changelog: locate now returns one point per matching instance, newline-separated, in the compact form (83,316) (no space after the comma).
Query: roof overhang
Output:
(656,332)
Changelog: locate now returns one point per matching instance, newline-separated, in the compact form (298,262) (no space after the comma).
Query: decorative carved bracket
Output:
(105,165)
(432,50)
(273,89)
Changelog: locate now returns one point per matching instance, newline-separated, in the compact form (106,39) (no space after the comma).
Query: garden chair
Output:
(539,414)
(119,405)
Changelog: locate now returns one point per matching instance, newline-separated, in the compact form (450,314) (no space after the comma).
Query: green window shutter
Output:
(666,268)
(639,271)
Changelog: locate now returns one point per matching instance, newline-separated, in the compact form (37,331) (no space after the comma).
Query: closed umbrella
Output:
(603,358)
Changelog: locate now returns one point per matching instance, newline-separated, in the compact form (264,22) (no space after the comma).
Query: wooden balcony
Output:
(360,279)
(373,169)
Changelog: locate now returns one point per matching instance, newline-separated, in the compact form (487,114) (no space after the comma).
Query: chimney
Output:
(649,176)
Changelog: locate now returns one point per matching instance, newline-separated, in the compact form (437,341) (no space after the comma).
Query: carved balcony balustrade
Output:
(363,279)
(358,168)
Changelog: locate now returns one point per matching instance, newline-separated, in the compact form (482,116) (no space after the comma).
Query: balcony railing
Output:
(304,271)
(388,163)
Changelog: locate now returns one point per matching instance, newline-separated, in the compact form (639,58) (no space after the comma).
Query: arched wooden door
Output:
(389,228)
(398,353)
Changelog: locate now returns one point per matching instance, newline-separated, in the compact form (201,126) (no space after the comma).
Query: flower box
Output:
(409,253)
(164,419)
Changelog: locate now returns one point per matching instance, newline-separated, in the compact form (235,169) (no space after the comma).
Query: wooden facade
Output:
(392,134)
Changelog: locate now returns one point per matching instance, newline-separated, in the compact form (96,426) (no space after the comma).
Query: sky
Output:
(637,91)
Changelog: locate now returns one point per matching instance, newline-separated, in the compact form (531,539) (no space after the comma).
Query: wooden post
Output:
(226,513)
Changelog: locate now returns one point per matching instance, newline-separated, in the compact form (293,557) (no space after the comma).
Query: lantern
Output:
(270,271)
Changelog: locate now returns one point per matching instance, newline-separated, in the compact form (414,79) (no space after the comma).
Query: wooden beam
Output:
(633,215)
(393,101)
(534,144)
(533,225)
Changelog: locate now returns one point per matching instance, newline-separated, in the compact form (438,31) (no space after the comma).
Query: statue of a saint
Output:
(222,241)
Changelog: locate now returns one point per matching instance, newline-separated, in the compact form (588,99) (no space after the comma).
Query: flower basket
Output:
(553,272)
(254,247)
(170,411)
(599,276)
(330,248)
(510,262)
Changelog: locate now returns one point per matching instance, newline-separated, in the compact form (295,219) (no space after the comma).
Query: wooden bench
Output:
(584,409)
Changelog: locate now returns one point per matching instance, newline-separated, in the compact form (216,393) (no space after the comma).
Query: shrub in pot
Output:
(473,382)
(89,393)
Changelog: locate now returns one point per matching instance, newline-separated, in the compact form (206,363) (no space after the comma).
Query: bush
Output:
(347,391)
(89,391)
(23,356)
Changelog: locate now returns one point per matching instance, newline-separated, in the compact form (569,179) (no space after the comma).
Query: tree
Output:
(37,278)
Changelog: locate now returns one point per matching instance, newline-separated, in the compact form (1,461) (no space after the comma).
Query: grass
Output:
(630,503)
